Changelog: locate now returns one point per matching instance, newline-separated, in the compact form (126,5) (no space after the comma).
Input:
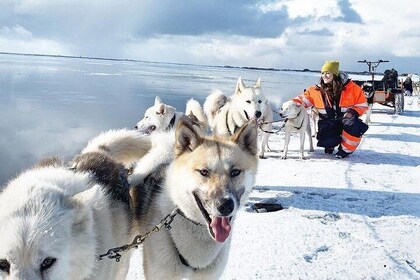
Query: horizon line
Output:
(176,63)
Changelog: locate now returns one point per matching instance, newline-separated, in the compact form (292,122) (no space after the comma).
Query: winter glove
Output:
(350,117)
(351,114)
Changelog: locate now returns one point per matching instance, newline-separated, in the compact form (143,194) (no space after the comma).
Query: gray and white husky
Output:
(56,220)
(162,117)
(204,180)
(227,114)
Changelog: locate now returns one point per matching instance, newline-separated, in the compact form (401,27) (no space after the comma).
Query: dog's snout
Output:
(226,206)
(258,114)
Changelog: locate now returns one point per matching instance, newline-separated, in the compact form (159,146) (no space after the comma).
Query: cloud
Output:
(15,31)
(206,17)
(349,14)
(265,33)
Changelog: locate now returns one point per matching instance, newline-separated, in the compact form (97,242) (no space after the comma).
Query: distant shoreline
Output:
(174,63)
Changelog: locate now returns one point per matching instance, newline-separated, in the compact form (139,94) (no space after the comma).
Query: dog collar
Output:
(192,221)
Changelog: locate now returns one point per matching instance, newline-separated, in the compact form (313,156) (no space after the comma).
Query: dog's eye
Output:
(235,172)
(259,101)
(5,266)
(47,263)
(248,101)
(204,172)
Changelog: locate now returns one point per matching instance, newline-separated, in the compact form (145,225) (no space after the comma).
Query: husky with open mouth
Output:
(163,117)
(205,179)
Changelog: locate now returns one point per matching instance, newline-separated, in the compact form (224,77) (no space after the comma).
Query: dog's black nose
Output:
(258,114)
(136,127)
(226,206)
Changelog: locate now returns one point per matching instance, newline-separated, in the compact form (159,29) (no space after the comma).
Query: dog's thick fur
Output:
(122,145)
(55,221)
(297,119)
(162,117)
(208,178)
(227,114)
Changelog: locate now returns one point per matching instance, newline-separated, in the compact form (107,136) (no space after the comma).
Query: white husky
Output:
(297,119)
(56,220)
(226,115)
(162,117)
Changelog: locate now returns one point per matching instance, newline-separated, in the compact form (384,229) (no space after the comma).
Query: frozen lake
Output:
(54,105)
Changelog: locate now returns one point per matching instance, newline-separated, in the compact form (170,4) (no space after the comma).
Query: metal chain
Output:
(274,131)
(114,253)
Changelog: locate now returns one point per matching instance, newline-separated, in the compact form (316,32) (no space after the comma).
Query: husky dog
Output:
(195,112)
(163,117)
(369,92)
(122,145)
(226,115)
(297,119)
(205,179)
(56,220)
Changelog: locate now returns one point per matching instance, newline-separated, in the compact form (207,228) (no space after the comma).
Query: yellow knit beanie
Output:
(330,66)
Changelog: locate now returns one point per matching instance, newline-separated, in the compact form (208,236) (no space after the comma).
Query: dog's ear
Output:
(158,100)
(161,109)
(82,218)
(246,137)
(240,86)
(258,83)
(186,137)
(82,228)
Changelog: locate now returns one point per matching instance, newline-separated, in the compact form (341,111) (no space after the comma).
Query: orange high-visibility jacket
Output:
(352,96)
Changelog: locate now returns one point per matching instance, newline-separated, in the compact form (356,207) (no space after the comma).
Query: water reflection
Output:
(53,106)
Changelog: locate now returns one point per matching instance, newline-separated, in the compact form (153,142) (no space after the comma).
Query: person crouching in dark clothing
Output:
(340,102)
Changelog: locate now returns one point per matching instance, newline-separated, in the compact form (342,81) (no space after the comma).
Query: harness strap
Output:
(227,125)
(303,119)
(181,257)
(183,260)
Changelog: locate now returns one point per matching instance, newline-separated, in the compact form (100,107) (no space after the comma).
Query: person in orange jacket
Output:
(339,102)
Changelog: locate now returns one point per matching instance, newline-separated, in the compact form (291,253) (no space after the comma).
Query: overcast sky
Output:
(279,33)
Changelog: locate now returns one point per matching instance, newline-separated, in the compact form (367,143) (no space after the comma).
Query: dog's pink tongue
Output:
(221,228)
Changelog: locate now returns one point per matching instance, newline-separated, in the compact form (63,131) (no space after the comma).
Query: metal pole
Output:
(372,69)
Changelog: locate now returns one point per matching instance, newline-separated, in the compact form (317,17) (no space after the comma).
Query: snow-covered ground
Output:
(353,218)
